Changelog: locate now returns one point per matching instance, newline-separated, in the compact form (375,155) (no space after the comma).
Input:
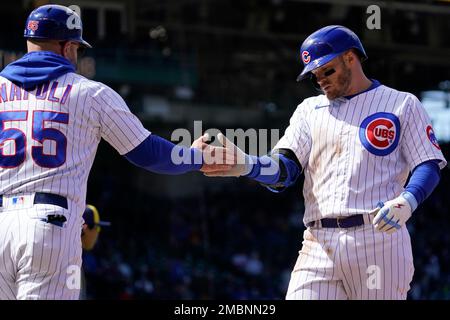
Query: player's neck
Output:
(359,84)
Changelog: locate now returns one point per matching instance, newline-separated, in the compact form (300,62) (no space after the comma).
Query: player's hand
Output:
(239,161)
(201,143)
(392,215)
(215,159)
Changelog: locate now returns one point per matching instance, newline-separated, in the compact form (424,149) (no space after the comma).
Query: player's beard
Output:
(342,84)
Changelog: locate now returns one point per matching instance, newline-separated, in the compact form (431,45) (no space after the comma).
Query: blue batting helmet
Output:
(55,22)
(326,44)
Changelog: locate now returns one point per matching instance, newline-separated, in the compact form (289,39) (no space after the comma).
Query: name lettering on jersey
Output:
(15,94)
(3,94)
(42,92)
(51,95)
(379,133)
(432,137)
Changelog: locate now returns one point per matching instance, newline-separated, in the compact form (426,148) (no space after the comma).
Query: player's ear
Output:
(66,49)
(349,56)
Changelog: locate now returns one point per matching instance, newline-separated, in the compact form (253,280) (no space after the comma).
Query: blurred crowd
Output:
(237,242)
(430,238)
(239,246)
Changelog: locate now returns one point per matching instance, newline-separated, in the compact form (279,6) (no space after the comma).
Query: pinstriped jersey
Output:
(359,151)
(49,135)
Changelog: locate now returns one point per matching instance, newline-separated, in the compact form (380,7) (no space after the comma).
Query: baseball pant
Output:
(353,263)
(38,259)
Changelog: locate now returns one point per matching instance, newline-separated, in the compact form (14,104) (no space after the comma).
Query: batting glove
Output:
(241,163)
(393,214)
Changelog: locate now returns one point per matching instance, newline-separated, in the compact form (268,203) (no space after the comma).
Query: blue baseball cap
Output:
(92,218)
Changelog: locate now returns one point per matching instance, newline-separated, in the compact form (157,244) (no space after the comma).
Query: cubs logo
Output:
(379,133)
(33,25)
(306,57)
(432,137)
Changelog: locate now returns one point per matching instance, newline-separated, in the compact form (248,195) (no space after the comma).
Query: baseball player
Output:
(51,122)
(89,235)
(356,144)
(91,227)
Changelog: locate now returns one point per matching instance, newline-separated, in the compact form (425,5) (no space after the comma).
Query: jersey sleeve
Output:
(419,144)
(297,137)
(118,125)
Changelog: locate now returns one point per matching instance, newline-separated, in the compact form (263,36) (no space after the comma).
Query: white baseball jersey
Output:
(48,140)
(356,152)
(58,128)
(360,151)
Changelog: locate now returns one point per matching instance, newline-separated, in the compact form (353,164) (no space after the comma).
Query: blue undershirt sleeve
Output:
(273,174)
(424,179)
(162,156)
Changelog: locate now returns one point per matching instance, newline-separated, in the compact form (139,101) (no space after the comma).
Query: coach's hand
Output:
(392,215)
(215,159)
(239,161)
(201,142)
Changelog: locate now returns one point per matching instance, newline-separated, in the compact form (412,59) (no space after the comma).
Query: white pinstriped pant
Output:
(36,257)
(355,263)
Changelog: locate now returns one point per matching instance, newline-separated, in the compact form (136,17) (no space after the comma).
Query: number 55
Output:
(39,133)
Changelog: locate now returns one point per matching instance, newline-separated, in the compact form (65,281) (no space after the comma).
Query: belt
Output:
(344,222)
(46,198)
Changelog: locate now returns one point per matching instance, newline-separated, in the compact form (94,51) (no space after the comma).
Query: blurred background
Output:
(233,64)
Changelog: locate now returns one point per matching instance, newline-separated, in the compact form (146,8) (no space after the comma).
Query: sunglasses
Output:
(327,73)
